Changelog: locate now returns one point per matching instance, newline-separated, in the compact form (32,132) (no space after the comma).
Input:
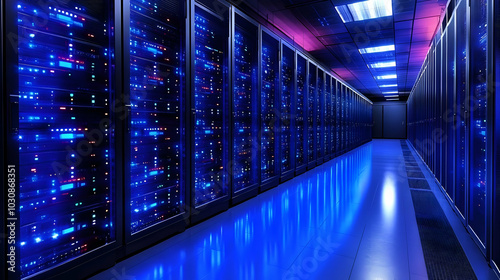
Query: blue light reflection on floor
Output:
(348,218)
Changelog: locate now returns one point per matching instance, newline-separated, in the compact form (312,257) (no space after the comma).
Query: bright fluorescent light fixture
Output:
(394,85)
(390,92)
(380,49)
(365,10)
(390,96)
(387,77)
(392,99)
(383,64)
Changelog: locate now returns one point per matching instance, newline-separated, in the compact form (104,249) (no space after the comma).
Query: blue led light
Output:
(66,187)
(66,64)
(68,230)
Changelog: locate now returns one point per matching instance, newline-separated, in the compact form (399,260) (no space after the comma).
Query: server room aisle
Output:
(350,218)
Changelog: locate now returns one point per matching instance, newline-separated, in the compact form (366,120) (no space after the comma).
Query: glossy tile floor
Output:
(350,218)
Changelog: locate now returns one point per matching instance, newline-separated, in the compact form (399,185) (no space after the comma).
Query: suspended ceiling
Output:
(318,27)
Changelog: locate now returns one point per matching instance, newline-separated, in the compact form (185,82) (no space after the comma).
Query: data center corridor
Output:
(350,218)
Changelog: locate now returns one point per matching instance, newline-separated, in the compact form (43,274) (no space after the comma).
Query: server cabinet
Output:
(301,120)
(287,112)
(442,112)
(311,115)
(461,106)
(478,135)
(328,117)
(450,111)
(495,190)
(269,124)
(60,126)
(320,117)
(437,140)
(343,138)
(333,134)
(338,120)
(210,141)
(155,192)
(245,101)
(348,119)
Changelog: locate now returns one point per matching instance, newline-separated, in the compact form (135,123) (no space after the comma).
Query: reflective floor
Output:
(350,218)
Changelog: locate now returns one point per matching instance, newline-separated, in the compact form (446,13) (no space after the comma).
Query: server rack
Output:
(338,120)
(442,113)
(343,138)
(59,124)
(245,108)
(210,110)
(333,130)
(312,81)
(166,123)
(320,117)
(270,73)
(155,191)
(461,115)
(328,117)
(439,159)
(494,31)
(451,110)
(478,117)
(288,112)
(301,119)
(462,71)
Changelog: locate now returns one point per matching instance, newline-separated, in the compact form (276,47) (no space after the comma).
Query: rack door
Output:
(287,110)
(269,99)
(211,106)
(61,131)
(245,100)
(311,116)
(301,119)
(157,50)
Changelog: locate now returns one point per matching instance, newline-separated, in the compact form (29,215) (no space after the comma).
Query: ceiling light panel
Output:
(383,64)
(386,86)
(364,10)
(387,77)
(380,49)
